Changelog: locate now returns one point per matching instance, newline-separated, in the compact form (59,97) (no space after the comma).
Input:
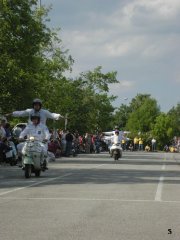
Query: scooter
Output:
(7,153)
(33,159)
(116,151)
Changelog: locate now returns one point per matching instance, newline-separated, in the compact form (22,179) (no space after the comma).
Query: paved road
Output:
(90,197)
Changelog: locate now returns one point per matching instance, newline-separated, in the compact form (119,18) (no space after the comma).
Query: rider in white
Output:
(44,114)
(116,139)
(37,130)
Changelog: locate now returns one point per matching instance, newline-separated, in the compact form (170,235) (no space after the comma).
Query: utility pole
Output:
(66,121)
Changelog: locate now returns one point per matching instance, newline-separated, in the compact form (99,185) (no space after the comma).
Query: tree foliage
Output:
(121,116)
(20,36)
(163,130)
(144,111)
(29,61)
(33,63)
(174,115)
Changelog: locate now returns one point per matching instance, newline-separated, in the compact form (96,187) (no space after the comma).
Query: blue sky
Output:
(140,39)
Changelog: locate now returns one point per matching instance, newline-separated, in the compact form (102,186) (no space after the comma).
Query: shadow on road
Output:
(108,173)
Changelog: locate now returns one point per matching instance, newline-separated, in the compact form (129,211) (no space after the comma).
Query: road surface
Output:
(89,197)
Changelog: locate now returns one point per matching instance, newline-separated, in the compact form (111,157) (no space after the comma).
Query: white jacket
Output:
(116,139)
(44,114)
(39,132)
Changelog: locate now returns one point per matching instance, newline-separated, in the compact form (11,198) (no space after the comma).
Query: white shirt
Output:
(116,139)
(39,132)
(44,114)
(110,136)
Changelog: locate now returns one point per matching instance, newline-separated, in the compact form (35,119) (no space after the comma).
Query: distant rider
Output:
(116,139)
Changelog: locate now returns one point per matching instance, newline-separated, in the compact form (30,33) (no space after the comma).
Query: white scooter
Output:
(33,159)
(116,151)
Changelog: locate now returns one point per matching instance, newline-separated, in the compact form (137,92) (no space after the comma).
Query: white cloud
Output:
(138,38)
(122,86)
(126,84)
(142,12)
(141,28)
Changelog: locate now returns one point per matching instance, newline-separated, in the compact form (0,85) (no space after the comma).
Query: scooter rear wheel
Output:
(116,157)
(27,170)
(37,173)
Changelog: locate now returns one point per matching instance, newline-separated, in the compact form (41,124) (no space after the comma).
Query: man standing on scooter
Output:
(37,108)
(39,131)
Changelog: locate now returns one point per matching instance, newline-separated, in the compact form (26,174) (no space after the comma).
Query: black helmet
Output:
(35,116)
(37,100)
(117,131)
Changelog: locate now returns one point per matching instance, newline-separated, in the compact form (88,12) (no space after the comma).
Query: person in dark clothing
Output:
(3,149)
(69,139)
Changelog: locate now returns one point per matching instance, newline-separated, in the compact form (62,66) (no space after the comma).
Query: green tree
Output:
(29,62)
(33,62)
(144,111)
(90,106)
(137,101)
(174,115)
(20,36)
(98,81)
(163,130)
(121,116)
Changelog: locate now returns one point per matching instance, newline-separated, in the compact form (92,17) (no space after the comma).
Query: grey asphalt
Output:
(90,197)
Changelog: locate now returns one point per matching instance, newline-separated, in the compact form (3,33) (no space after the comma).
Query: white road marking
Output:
(158,196)
(164,167)
(159,189)
(91,199)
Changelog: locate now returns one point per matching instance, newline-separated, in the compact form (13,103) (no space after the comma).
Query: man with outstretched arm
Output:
(37,108)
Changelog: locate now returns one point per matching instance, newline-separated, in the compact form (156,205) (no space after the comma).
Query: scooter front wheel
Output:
(27,170)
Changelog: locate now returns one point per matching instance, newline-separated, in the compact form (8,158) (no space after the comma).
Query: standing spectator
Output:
(69,139)
(178,144)
(2,128)
(62,135)
(153,141)
(76,142)
(123,143)
(140,144)
(87,143)
(81,143)
(136,143)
